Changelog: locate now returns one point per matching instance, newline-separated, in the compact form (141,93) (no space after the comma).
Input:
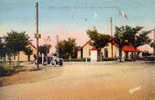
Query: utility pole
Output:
(57,37)
(37,35)
(111,32)
(154,42)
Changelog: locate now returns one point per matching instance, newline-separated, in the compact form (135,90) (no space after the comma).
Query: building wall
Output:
(93,56)
(109,48)
(86,50)
(79,54)
(23,57)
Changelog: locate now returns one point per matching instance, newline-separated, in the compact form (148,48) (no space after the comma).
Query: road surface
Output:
(87,81)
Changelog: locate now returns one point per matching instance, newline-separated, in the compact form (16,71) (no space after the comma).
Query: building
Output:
(22,56)
(87,51)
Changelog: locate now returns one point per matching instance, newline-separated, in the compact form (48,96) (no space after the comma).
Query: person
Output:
(53,61)
(61,62)
(35,59)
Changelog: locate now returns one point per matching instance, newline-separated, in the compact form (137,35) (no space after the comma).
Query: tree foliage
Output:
(141,38)
(17,41)
(98,40)
(134,36)
(67,48)
(121,37)
(2,48)
(44,49)
(28,51)
(153,44)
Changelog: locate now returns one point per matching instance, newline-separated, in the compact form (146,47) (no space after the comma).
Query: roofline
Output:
(33,45)
(86,43)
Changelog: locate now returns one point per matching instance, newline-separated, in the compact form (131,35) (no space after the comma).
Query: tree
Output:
(153,46)
(134,36)
(121,38)
(16,42)
(28,51)
(2,48)
(44,49)
(98,40)
(67,48)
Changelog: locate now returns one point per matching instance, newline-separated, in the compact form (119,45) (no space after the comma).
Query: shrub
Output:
(109,59)
(77,60)
(6,70)
(146,54)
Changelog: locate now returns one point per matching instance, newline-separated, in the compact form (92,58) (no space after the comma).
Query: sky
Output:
(72,18)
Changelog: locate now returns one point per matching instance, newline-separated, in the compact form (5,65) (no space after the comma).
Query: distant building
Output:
(147,47)
(22,56)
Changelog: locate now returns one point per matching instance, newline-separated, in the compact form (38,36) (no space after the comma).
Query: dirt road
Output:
(85,81)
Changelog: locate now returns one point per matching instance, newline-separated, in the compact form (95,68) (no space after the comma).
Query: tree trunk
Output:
(4,59)
(126,55)
(18,58)
(98,54)
(133,56)
(154,51)
(28,57)
(9,58)
(14,56)
(120,54)
(137,55)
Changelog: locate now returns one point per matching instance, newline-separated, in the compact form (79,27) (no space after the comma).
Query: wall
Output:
(86,50)
(23,57)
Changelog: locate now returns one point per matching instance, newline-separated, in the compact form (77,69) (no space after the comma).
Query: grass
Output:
(6,70)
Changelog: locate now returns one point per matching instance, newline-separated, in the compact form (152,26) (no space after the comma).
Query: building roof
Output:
(130,49)
(86,43)
(93,48)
